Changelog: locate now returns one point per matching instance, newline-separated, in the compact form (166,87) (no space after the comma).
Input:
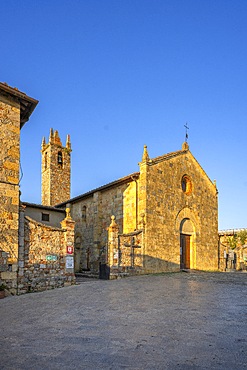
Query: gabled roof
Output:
(42,207)
(121,181)
(27,104)
(167,156)
(185,150)
(134,175)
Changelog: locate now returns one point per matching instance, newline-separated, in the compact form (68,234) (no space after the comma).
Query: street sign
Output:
(70,249)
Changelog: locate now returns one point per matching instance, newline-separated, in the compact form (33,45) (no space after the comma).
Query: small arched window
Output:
(60,158)
(84,213)
(186,184)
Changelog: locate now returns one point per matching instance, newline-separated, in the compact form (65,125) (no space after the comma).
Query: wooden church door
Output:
(185,251)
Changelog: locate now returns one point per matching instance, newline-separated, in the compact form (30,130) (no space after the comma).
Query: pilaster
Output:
(112,254)
(143,185)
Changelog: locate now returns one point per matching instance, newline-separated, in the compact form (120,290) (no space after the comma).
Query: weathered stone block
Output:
(7,275)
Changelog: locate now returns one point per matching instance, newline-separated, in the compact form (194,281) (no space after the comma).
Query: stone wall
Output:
(9,187)
(3,261)
(44,257)
(166,206)
(9,176)
(125,252)
(92,215)
(5,275)
(171,196)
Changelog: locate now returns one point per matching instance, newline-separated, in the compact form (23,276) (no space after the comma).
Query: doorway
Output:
(185,251)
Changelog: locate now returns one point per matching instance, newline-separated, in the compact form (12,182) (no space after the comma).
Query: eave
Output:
(27,104)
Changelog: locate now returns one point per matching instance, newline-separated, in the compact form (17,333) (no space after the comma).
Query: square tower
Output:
(55,170)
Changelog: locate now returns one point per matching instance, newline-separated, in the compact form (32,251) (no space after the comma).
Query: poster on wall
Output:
(69,262)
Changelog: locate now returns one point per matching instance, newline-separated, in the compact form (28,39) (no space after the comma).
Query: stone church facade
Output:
(162,218)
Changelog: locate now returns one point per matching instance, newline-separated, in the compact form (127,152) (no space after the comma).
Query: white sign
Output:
(69,262)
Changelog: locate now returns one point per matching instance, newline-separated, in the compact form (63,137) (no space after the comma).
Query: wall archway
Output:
(77,253)
(187,228)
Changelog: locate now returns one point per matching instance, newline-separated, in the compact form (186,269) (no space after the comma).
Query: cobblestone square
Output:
(171,321)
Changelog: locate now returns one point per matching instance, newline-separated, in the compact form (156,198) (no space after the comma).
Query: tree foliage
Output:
(242,235)
(232,240)
(238,238)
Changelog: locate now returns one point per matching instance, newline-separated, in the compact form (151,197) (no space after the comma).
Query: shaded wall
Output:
(45,261)
(92,215)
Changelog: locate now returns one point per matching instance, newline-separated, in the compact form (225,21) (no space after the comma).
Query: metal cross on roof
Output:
(186,132)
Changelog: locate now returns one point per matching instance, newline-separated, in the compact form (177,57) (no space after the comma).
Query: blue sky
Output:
(118,74)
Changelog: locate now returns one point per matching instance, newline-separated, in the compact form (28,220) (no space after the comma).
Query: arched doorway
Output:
(186,244)
(77,253)
(81,255)
(85,259)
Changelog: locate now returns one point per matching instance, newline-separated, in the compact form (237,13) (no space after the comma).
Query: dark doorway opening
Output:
(185,251)
(104,271)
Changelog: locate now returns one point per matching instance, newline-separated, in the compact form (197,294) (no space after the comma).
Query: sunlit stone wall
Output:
(170,196)
(55,170)
(44,258)
(165,204)
(9,188)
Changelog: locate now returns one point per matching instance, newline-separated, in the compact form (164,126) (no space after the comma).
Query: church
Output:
(162,218)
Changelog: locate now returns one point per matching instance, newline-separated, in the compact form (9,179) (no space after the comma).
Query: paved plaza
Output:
(171,321)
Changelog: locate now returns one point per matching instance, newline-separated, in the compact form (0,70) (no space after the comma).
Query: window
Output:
(84,213)
(60,158)
(45,217)
(45,160)
(186,185)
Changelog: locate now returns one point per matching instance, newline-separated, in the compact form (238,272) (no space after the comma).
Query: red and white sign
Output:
(70,249)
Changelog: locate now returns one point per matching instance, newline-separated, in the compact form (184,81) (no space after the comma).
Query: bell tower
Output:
(55,170)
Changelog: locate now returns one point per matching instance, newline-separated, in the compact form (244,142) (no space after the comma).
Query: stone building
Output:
(15,110)
(162,218)
(165,218)
(34,254)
